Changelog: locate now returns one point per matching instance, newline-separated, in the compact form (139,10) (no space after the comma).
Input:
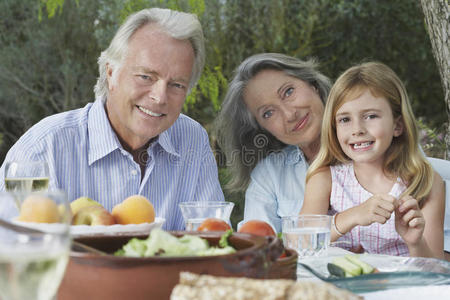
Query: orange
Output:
(134,210)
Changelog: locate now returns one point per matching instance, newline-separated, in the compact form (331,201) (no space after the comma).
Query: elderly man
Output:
(133,139)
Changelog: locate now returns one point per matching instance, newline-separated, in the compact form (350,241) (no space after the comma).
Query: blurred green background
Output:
(49,51)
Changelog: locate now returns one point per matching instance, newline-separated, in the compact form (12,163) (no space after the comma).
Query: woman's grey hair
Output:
(179,25)
(239,135)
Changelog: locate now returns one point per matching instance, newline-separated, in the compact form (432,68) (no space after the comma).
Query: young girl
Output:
(370,173)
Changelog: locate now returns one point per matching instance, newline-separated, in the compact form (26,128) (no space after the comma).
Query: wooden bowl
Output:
(91,276)
(285,267)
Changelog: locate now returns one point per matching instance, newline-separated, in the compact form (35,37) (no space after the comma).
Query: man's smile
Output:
(149,112)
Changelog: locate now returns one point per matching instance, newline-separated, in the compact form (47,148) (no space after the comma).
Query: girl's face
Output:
(287,107)
(365,127)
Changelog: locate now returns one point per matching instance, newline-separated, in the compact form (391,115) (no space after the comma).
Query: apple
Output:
(81,202)
(93,215)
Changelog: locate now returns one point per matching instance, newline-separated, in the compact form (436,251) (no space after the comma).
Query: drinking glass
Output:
(33,262)
(309,235)
(195,212)
(26,176)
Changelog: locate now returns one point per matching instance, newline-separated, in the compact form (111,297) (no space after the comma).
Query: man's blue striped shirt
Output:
(86,158)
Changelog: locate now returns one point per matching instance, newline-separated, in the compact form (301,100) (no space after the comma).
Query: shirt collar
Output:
(293,155)
(165,141)
(102,138)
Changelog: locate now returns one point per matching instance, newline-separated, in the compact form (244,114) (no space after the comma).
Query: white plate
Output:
(117,229)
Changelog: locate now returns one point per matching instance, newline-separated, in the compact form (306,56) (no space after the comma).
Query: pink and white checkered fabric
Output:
(346,192)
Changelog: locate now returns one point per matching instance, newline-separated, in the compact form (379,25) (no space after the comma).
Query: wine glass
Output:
(26,176)
(33,262)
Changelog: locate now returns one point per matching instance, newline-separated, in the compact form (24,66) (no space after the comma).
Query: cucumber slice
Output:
(349,267)
(366,268)
(335,270)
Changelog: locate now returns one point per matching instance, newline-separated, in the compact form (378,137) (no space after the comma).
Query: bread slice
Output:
(206,287)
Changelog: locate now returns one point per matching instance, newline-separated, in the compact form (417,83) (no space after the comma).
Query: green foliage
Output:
(432,140)
(210,85)
(131,6)
(44,68)
(51,6)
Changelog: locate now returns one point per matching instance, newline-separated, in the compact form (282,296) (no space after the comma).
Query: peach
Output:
(134,210)
(38,208)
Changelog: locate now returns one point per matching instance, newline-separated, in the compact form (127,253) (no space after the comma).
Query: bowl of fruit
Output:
(134,215)
(148,266)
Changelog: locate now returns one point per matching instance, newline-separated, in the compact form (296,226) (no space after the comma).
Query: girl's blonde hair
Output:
(404,159)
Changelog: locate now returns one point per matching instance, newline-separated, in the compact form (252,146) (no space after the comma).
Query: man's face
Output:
(147,92)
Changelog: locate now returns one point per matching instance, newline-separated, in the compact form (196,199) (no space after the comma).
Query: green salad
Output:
(162,243)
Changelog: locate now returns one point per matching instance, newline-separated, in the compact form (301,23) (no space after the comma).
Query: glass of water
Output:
(309,235)
(195,212)
(33,256)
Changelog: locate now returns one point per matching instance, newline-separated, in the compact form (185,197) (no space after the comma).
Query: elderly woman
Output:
(269,128)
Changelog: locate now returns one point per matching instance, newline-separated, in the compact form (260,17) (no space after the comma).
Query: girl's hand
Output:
(376,209)
(409,220)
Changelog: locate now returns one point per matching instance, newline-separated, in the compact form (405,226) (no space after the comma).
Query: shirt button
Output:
(134,172)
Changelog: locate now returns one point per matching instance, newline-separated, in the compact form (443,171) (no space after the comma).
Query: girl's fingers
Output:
(380,218)
(408,203)
(387,205)
(417,222)
(382,212)
(413,218)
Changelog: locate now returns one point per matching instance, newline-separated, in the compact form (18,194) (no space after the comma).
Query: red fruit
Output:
(283,254)
(213,224)
(257,227)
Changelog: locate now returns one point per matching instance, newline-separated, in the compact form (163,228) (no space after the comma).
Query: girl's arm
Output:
(317,193)
(317,196)
(378,208)
(431,215)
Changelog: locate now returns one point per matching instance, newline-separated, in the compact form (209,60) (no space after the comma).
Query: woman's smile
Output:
(301,123)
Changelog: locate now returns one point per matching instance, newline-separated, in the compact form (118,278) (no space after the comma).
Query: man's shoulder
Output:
(187,128)
(70,122)
(186,121)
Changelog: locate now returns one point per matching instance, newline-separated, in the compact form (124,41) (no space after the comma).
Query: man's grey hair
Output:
(178,25)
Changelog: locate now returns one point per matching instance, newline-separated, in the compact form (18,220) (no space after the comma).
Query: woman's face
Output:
(289,108)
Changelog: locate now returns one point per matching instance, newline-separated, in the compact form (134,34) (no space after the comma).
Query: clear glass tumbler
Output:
(195,212)
(309,235)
